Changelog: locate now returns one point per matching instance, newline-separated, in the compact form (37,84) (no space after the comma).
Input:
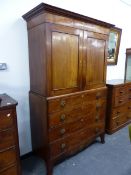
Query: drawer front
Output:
(7,157)
(92,106)
(66,129)
(65,116)
(117,122)
(118,111)
(120,91)
(128,111)
(10,171)
(129,98)
(120,100)
(96,95)
(7,139)
(80,137)
(6,119)
(64,103)
(129,89)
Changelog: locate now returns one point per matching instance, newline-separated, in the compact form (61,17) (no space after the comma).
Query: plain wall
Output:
(14,48)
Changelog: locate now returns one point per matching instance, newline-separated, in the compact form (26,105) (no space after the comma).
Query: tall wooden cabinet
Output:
(67,56)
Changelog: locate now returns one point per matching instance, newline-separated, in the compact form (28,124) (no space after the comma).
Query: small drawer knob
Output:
(63,145)
(8,115)
(62,103)
(62,131)
(62,117)
(82,120)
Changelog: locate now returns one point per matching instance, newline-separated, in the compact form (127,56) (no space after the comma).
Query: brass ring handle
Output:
(62,131)
(8,115)
(98,106)
(62,103)
(62,117)
(98,95)
(63,145)
(97,118)
(121,92)
(120,101)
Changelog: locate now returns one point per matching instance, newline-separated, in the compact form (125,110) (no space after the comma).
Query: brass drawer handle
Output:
(98,95)
(129,98)
(62,117)
(62,103)
(98,106)
(120,101)
(121,92)
(97,118)
(62,131)
(8,115)
(129,107)
(63,145)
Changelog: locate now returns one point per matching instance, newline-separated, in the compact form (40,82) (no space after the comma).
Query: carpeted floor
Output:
(111,158)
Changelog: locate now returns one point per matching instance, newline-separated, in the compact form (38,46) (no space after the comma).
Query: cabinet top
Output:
(117,82)
(6,101)
(42,8)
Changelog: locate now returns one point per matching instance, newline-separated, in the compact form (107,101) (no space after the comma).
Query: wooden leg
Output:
(49,166)
(102,136)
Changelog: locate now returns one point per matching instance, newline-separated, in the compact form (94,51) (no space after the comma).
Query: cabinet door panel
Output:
(64,53)
(95,54)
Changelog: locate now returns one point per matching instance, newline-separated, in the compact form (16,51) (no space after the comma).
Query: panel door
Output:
(64,59)
(94,60)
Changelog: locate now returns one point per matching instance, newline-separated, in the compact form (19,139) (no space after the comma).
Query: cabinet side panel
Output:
(110,99)
(37,59)
(38,119)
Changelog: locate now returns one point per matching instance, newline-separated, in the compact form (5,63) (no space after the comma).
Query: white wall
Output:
(14,48)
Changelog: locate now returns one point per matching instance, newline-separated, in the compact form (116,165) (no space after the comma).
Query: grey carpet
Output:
(111,158)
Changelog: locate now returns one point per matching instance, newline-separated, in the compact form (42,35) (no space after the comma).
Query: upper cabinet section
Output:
(95,54)
(67,51)
(64,59)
